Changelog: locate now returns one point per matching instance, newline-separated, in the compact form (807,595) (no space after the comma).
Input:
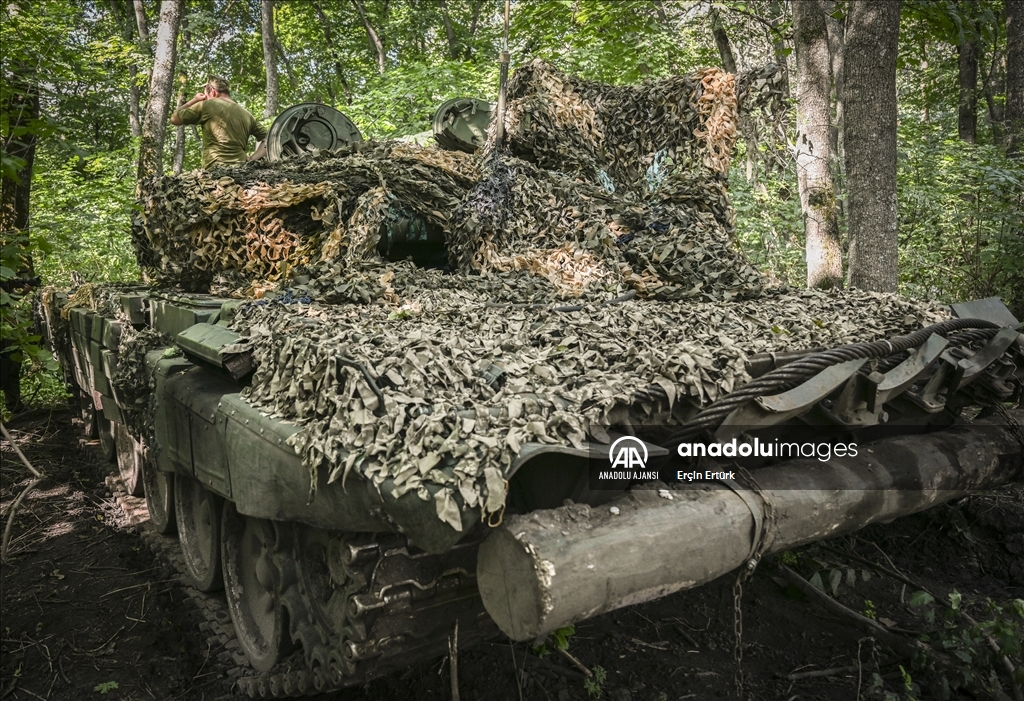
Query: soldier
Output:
(226,125)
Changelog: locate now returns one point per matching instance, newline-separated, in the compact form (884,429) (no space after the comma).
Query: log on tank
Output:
(544,570)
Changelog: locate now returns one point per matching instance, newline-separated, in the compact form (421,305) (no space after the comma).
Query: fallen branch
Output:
(39,477)
(821,673)
(453,659)
(582,667)
(905,647)
(1007,665)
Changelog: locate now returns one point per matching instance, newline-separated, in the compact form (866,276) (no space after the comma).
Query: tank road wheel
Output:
(197,513)
(249,585)
(129,460)
(108,448)
(159,497)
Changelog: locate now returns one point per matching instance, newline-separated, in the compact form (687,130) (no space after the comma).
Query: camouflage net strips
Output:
(604,187)
(463,384)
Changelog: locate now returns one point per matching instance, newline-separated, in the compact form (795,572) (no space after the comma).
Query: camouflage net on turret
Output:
(603,187)
(595,285)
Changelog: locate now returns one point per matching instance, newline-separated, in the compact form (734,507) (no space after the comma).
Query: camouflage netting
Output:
(592,283)
(468,381)
(603,187)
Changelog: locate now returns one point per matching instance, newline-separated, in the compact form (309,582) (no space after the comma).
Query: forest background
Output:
(81,85)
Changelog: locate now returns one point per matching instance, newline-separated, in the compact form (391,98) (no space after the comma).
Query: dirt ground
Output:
(89,612)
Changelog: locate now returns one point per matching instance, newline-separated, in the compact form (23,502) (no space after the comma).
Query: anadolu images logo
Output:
(625,453)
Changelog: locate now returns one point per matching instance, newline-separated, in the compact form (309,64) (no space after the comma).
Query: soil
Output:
(89,612)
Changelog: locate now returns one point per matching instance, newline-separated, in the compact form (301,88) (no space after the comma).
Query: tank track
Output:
(359,605)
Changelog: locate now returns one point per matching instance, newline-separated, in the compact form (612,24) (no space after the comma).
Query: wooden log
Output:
(544,570)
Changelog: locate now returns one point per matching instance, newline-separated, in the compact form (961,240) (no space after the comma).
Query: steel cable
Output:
(789,376)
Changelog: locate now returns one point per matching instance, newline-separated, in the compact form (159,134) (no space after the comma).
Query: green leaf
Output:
(921,598)
(104,687)
(954,600)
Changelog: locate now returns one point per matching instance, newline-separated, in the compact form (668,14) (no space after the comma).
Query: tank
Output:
(384,393)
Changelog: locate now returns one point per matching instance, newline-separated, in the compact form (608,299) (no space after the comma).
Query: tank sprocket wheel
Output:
(198,514)
(129,459)
(315,594)
(251,585)
(159,488)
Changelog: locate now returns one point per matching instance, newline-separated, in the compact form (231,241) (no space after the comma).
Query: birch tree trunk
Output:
(836,49)
(872,33)
(269,60)
(813,146)
(160,89)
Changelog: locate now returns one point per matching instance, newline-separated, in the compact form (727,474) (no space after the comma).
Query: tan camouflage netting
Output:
(604,193)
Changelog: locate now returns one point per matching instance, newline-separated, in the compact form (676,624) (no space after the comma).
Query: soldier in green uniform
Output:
(226,125)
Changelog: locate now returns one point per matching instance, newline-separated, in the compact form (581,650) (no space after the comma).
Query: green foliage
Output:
(614,41)
(558,639)
(104,687)
(769,224)
(595,685)
(82,209)
(968,641)
(16,325)
(403,101)
(960,211)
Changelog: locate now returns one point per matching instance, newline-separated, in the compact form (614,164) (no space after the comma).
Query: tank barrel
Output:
(544,570)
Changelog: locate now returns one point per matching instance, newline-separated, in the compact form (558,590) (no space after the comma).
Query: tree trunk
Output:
(449,32)
(19,143)
(872,34)
(967,52)
(993,84)
(722,41)
(179,138)
(140,21)
(339,70)
(747,129)
(160,89)
(269,60)
(546,569)
(371,34)
(778,17)
(477,4)
(287,64)
(813,146)
(1014,114)
(142,28)
(836,49)
(127,22)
